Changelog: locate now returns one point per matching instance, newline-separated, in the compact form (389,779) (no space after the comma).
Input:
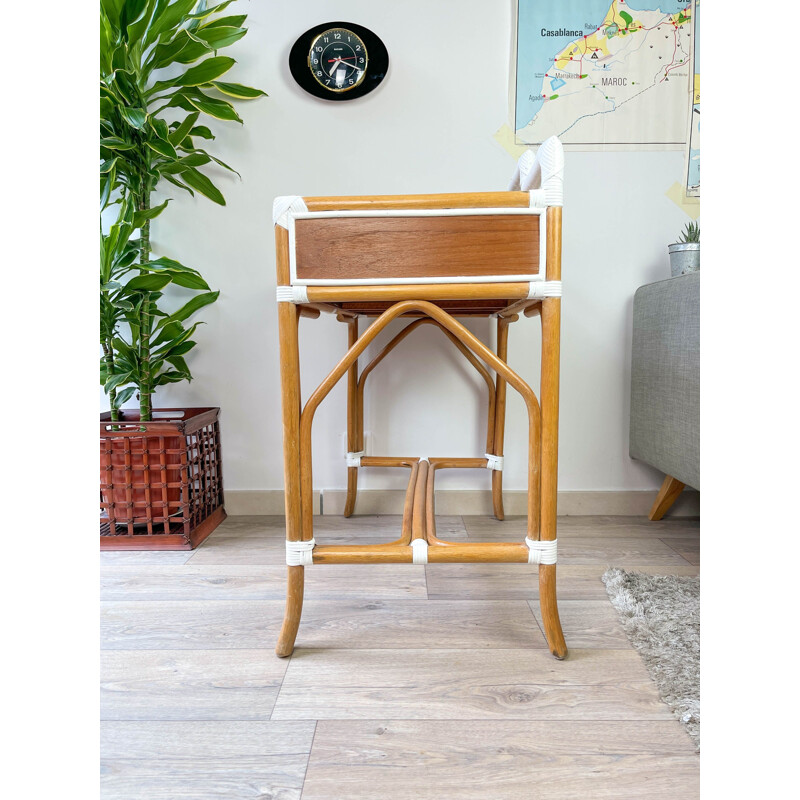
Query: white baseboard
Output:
(258,502)
(455,502)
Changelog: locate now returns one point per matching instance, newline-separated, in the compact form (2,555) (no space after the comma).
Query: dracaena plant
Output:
(159,77)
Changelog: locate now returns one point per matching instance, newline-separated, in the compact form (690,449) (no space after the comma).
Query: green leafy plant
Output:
(690,234)
(159,75)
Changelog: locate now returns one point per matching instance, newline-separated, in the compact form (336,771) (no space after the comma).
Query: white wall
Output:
(427,128)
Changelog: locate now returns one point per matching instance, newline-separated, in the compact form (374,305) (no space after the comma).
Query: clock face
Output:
(338,61)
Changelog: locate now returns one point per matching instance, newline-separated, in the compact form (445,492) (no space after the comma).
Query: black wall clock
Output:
(338,61)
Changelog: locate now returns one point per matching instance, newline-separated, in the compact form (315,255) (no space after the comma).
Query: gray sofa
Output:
(665,384)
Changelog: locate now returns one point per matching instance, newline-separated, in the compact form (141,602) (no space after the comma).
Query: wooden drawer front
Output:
(408,248)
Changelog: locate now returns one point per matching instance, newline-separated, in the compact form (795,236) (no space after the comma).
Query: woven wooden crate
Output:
(160,481)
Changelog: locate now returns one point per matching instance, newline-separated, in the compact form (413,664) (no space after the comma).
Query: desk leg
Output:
(288,321)
(355,420)
(499,418)
(551,354)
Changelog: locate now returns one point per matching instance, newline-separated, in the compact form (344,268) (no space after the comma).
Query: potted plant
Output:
(684,255)
(161,473)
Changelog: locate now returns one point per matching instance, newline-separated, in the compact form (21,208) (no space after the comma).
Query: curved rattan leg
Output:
(549,606)
(551,349)
(294,610)
(288,320)
(352,491)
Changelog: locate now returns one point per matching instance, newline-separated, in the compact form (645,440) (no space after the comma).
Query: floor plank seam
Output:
(535,621)
(308,760)
(677,553)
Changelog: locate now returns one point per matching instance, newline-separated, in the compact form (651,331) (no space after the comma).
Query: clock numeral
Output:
(325,39)
(328,82)
(350,81)
(315,61)
(358,47)
(337,35)
(318,49)
(361,60)
(319,73)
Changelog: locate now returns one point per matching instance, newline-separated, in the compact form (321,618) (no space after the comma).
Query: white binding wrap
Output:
(281,206)
(538,290)
(292,294)
(300,554)
(542,552)
(354,459)
(419,551)
(494,462)
(542,174)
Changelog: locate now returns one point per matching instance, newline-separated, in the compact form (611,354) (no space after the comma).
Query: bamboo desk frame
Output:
(395,226)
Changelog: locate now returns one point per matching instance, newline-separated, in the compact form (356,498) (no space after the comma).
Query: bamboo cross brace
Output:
(477,347)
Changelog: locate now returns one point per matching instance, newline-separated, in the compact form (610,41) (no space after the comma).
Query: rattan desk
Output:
(431,259)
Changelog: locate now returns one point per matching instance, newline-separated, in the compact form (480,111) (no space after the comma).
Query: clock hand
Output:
(332,69)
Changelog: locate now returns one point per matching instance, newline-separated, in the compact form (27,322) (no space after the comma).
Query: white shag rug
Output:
(661,615)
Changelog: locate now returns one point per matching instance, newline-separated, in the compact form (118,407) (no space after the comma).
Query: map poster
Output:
(603,74)
(693,137)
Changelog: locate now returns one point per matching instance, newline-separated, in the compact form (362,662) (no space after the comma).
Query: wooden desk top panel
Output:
(374,248)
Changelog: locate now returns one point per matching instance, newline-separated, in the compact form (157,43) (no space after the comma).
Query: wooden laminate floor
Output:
(424,682)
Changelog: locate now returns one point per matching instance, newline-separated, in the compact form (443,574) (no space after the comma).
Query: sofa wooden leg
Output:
(667,495)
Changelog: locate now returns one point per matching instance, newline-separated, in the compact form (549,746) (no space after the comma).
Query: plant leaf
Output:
(220,109)
(217,38)
(189,280)
(180,364)
(177,183)
(112,9)
(195,159)
(170,264)
(117,379)
(182,349)
(202,131)
(139,18)
(194,305)
(169,377)
(115,143)
(203,185)
(165,54)
(107,166)
(237,90)
(169,19)
(179,134)
(170,331)
(124,395)
(162,148)
(206,71)
(209,11)
(153,282)
(140,217)
(135,117)
(232,21)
